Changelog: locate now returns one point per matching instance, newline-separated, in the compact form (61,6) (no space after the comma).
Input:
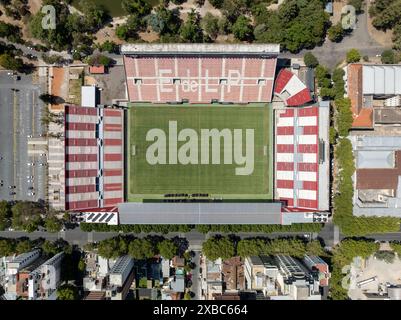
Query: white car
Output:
(30,164)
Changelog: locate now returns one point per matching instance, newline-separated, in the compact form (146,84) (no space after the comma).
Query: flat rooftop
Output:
(200,213)
(387,115)
(200,48)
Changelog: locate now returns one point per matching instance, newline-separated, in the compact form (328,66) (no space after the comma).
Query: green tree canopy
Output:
(52,224)
(27,215)
(242,28)
(191,30)
(167,249)
(113,248)
(67,292)
(215,248)
(336,32)
(141,249)
(5,215)
(353,55)
(388,57)
(210,25)
(310,60)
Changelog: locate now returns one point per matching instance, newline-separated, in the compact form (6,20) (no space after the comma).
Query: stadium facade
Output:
(97,139)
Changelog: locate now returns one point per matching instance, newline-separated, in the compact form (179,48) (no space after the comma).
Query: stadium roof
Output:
(381,79)
(291,89)
(200,48)
(199,213)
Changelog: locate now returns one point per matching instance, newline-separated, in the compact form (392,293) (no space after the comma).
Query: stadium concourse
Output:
(203,74)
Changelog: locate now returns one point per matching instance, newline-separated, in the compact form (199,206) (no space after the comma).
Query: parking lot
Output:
(22,177)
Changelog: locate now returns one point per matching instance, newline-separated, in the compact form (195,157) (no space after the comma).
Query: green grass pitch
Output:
(147,181)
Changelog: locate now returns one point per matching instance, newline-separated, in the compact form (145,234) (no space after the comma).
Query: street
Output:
(21,112)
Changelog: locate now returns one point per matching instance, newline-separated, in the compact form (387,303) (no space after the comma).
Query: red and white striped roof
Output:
(199,79)
(93,170)
(296,157)
(291,89)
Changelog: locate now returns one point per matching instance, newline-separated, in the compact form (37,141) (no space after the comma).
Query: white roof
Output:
(199,48)
(88,96)
(381,79)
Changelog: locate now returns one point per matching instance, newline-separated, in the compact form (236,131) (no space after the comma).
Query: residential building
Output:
(233,274)
(260,274)
(294,281)
(314,263)
(97,269)
(120,278)
(377,178)
(45,279)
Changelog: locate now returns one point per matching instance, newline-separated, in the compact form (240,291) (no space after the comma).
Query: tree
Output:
(110,47)
(357,4)
(232,9)
(167,249)
(141,249)
(9,62)
(113,248)
(388,57)
(53,224)
(99,59)
(164,21)
(242,29)
(94,15)
(136,7)
(67,292)
(210,25)
(7,247)
(215,248)
(353,55)
(50,248)
(26,215)
(344,119)
(336,32)
(5,215)
(191,30)
(216,3)
(23,246)
(315,248)
(81,265)
(310,60)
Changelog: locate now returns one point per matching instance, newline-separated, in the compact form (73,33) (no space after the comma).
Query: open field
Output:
(224,178)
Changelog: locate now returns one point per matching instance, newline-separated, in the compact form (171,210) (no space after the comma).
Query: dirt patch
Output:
(149,36)
(384,38)
(58,87)
(34,5)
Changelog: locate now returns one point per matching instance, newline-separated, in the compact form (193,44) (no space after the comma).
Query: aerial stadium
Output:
(209,134)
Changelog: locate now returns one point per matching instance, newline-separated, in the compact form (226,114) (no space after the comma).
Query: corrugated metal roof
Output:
(375,159)
(381,79)
(200,213)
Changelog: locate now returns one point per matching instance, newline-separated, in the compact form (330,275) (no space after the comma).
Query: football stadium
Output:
(209,134)
(198,169)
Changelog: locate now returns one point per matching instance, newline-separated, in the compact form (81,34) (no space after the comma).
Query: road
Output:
(196,280)
(21,112)
(195,239)
(331,53)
